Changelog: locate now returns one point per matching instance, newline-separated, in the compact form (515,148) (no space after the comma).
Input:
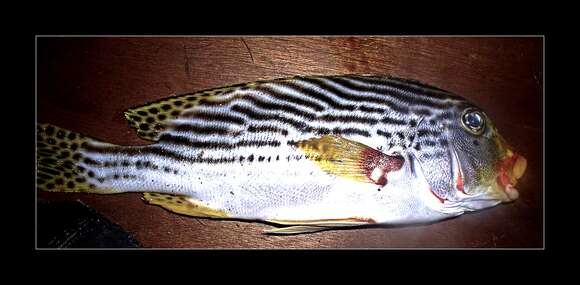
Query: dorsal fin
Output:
(149,119)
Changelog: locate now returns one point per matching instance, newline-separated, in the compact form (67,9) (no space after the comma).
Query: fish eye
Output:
(473,121)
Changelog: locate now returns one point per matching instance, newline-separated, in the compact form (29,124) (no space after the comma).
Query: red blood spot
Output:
(503,179)
(503,167)
(382,180)
(366,220)
(438,198)
(460,183)
(372,159)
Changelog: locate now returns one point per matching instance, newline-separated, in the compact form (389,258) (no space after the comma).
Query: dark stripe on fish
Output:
(216,117)
(90,161)
(419,85)
(350,131)
(444,116)
(348,119)
(384,134)
(265,128)
(393,121)
(180,140)
(410,86)
(139,164)
(429,143)
(285,97)
(372,109)
(159,151)
(428,133)
(422,112)
(305,128)
(204,130)
(321,96)
(268,117)
(279,107)
(436,155)
(413,98)
(356,98)
(255,101)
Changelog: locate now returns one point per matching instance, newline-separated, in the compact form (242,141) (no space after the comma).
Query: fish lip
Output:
(520,167)
(511,192)
(510,169)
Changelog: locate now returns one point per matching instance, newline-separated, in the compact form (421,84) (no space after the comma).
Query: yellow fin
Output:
(183,205)
(310,226)
(57,161)
(326,222)
(150,119)
(350,159)
(295,230)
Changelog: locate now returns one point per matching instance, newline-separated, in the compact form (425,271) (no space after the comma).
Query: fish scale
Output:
(330,150)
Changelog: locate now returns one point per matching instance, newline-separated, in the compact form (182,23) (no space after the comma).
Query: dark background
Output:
(84,84)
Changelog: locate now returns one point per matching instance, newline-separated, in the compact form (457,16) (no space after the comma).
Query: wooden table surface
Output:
(85,84)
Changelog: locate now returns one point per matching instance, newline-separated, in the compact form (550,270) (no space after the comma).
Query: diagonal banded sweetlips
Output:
(309,153)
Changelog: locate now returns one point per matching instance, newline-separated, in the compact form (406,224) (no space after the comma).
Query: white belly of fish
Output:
(300,190)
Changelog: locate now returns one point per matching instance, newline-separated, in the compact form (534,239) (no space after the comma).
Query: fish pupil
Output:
(473,120)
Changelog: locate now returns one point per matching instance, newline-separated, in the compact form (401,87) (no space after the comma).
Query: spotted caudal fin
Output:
(58,158)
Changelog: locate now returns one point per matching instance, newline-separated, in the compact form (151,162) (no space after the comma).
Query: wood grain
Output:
(84,84)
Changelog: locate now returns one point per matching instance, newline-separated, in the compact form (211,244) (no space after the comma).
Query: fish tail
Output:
(61,165)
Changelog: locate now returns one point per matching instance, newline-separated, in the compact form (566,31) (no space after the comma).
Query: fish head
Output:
(485,169)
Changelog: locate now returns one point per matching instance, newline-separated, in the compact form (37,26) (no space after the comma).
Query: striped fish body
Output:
(312,152)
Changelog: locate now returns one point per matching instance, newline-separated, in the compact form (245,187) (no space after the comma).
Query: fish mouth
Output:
(510,169)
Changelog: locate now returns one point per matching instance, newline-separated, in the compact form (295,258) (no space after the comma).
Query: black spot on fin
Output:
(183,205)
(58,159)
(150,119)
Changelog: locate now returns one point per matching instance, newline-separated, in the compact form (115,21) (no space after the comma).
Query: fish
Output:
(303,154)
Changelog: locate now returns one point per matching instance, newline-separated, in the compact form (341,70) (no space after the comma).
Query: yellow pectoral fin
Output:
(183,205)
(350,159)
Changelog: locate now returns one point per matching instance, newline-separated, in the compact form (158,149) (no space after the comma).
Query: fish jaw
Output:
(510,169)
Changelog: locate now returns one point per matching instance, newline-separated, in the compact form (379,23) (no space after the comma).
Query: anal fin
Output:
(292,230)
(183,205)
(311,226)
(325,223)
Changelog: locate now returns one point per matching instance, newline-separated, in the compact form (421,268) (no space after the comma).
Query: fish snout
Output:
(510,169)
